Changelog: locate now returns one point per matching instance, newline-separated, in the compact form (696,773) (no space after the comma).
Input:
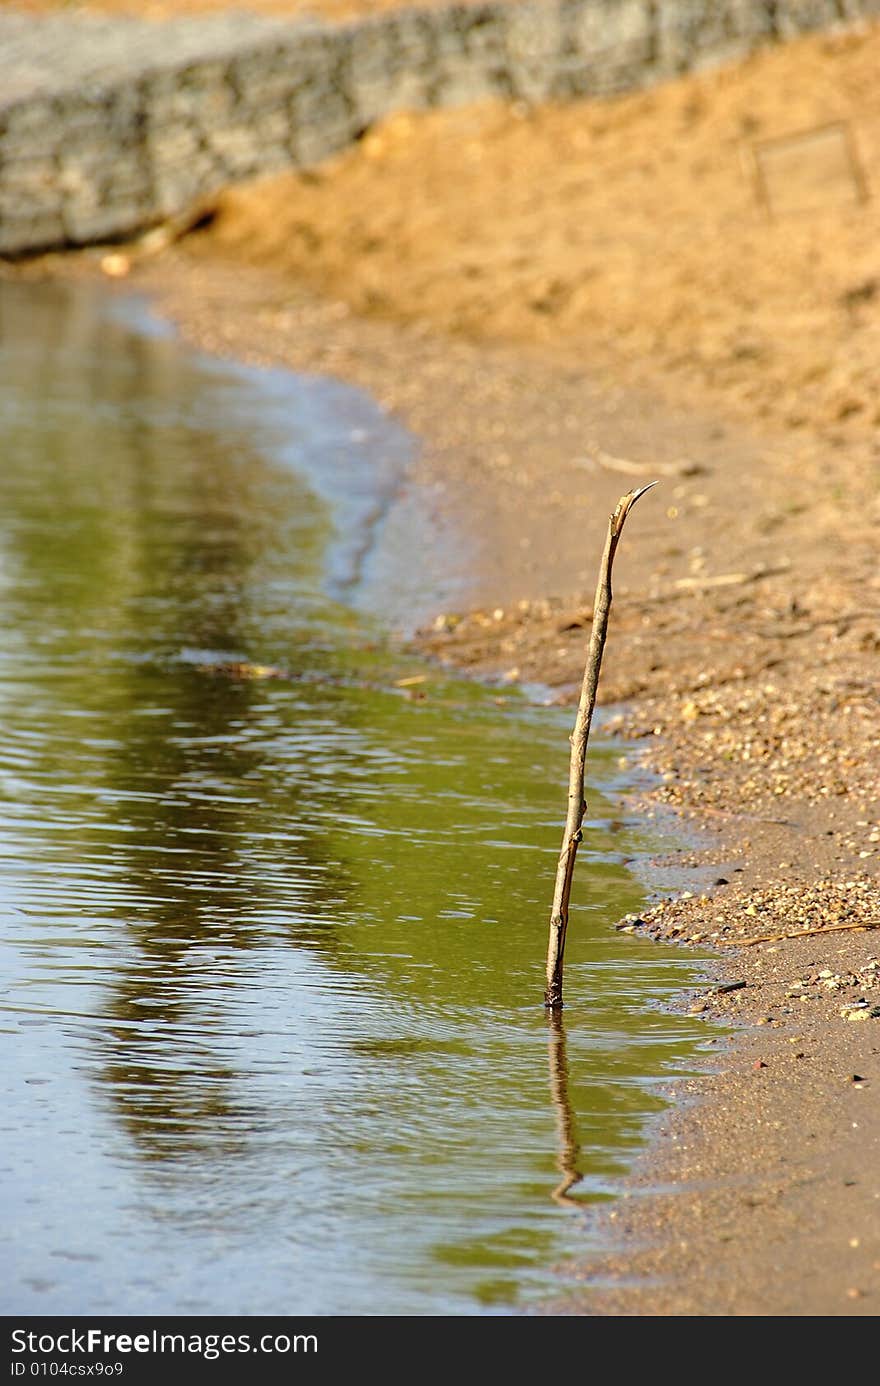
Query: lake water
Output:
(272,946)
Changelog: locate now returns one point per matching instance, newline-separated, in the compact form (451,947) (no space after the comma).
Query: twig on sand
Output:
(579,737)
(807,933)
(698,584)
(598,457)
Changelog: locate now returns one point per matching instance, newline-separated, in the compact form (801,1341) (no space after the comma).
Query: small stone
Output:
(115,266)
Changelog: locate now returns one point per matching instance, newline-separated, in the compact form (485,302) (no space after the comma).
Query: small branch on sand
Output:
(806,933)
(598,457)
(579,737)
(700,584)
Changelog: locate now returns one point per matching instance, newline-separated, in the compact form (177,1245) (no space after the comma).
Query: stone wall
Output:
(108,126)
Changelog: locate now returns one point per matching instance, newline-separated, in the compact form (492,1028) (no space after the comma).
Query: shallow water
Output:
(272,947)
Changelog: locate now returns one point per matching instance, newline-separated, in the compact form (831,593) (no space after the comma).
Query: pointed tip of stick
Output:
(626,503)
(639,492)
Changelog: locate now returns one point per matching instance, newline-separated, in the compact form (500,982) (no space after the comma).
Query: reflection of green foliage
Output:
(133,500)
(133,533)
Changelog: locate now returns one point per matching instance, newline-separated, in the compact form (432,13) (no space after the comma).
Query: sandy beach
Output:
(563,303)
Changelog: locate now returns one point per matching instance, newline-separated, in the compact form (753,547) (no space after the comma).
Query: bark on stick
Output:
(579,738)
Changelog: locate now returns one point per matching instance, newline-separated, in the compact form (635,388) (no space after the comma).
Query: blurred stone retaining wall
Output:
(109,125)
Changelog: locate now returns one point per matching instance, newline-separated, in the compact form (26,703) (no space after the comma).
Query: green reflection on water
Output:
(283,937)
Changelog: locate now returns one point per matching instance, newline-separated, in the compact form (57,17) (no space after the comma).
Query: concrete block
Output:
(691,33)
(86,222)
(25,234)
(534,43)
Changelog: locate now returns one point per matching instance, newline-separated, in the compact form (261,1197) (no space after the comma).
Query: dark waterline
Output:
(272,947)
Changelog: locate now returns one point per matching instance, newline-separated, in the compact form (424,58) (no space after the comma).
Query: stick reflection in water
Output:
(569,1149)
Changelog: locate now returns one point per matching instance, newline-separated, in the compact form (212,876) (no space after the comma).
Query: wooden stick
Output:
(579,738)
(805,933)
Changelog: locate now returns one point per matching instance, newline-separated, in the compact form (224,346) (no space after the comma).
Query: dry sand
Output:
(561,303)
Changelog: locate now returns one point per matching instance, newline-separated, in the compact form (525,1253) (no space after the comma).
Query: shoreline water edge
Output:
(757,1195)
